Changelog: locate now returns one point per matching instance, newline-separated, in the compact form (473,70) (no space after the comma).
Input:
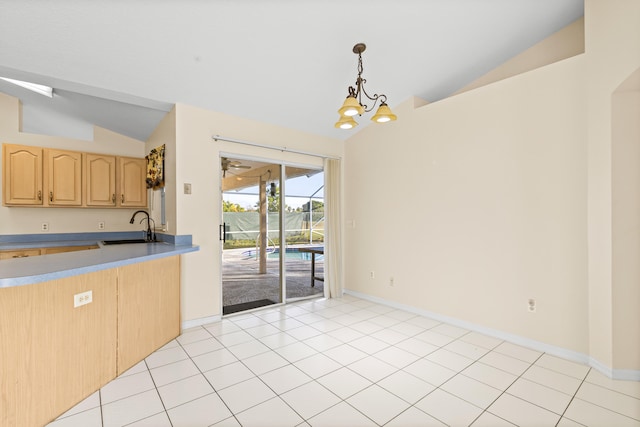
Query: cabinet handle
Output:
(113,198)
(51,196)
(122,198)
(39,194)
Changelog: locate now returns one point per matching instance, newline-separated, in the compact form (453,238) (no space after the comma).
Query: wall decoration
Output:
(155,168)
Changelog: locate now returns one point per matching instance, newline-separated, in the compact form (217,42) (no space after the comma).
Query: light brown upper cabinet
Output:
(64,177)
(30,181)
(100,180)
(22,175)
(132,181)
(35,176)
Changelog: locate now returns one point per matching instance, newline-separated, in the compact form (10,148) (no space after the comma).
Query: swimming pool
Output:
(291,254)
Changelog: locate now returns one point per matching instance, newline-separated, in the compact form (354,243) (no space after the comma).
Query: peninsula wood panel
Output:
(55,355)
(148,308)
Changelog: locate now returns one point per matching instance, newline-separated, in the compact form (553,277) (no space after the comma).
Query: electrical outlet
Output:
(44,226)
(82,298)
(372,274)
(100,225)
(531,305)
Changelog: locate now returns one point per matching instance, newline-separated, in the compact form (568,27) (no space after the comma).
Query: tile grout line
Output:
(315,380)
(207,379)
(368,355)
(573,397)
(100,402)
(608,389)
(411,405)
(505,390)
(155,387)
(289,363)
(342,366)
(300,311)
(344,400)
(389,345)
(158,393)
(442,347)
(154,382)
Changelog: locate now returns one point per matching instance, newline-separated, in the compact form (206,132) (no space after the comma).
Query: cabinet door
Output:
(22,175)
(62,249)
(132,181)
(20,253)
(148,308)
(64,177)
(100,180)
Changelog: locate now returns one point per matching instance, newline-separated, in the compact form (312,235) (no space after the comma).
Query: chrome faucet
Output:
(150,236)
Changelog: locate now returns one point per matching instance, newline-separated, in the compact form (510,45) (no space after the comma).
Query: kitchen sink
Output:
(123,241)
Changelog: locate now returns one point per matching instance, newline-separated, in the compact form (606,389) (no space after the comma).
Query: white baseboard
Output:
(574,356)
(187,324)
(626,374)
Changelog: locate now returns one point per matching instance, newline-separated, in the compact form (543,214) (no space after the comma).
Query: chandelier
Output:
(353,104)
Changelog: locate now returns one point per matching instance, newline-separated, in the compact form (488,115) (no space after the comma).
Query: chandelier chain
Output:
(360,89)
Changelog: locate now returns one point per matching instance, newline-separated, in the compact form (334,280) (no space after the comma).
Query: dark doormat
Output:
(229,309)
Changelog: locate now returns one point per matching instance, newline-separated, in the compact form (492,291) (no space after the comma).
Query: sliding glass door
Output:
(271,233)
(250,234)
(304,232)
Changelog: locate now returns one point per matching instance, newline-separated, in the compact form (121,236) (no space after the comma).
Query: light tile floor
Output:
(351,362)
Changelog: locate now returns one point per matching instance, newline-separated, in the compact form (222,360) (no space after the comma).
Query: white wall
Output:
(476,203)
(612,36)
(626,225)
(514,191)
(565,43)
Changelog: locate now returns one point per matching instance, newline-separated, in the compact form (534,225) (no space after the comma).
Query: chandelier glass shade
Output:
(346,122)
(353,105)
(384,114)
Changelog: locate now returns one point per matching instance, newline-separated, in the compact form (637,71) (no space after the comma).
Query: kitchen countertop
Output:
(37,269)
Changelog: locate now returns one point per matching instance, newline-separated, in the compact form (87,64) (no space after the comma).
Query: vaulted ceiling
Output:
(122,64)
